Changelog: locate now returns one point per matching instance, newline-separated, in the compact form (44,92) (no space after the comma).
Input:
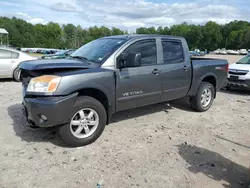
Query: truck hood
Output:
(240,66)
(56,64)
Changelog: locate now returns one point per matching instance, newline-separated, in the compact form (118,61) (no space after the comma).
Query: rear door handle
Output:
(156,71)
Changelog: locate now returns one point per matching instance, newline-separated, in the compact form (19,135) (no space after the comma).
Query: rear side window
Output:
(172,52)
(7,54)
(148,51)
(14,55)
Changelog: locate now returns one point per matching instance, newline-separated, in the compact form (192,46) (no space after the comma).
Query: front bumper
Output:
(49,111)
(238,83)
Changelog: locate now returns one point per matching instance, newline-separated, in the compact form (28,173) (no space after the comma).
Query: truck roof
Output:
(135,36)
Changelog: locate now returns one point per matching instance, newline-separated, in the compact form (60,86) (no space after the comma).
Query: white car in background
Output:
(233,52)
(223,52)
(239,73)
(217,51)
(9,61)
(243,52)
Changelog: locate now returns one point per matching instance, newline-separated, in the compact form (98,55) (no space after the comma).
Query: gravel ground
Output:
(164,145)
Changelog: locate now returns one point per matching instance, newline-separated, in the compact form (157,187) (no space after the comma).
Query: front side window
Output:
(147,49)
(99,50)
(172,52)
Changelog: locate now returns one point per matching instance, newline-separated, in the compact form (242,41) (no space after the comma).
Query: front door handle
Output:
(156,71)
(185,68)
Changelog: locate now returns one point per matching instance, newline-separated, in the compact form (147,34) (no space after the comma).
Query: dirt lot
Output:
(155,146)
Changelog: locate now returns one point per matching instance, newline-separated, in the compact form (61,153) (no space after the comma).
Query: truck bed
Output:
(215,68)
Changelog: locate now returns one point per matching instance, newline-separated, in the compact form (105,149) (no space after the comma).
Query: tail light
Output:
(227,67)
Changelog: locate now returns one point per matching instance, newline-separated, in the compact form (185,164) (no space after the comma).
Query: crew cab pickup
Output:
(80,93)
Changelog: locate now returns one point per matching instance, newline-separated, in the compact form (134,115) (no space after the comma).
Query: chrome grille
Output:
(238,72)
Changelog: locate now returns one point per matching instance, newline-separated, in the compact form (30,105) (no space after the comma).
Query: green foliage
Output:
(52,35)
(211,36)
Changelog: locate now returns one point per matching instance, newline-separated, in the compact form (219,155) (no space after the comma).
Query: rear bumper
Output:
(49,111)
(238,83)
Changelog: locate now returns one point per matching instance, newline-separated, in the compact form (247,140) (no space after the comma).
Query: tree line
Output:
(211,36)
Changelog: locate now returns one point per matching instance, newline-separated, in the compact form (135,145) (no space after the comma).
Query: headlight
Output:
(47,83)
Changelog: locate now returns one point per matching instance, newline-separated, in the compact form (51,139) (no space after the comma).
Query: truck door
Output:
(175,70)
(139,86)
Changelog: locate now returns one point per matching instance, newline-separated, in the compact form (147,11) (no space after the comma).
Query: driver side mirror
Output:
(127,60)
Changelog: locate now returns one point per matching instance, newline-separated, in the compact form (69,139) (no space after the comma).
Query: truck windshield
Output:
(98,50)
(244,60)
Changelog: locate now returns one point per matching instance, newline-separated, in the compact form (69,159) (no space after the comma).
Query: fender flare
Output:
(209,74)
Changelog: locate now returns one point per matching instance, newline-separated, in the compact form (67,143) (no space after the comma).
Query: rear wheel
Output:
(204,97)
(87,123)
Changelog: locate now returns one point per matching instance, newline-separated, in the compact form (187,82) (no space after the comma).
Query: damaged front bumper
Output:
(49,111)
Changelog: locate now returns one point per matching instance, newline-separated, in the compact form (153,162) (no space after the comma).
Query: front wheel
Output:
(87,123)
(204,97)
(16,73)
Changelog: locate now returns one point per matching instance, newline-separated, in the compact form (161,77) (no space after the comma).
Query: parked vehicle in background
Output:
(30,51)
(202,53)
(9,61)
(111,74)
(197,52)
(243,52)
(194,53)
(39,51)
(48,51)
(217,51)
(239,73)
(233,52)
(223,51)
(59,55)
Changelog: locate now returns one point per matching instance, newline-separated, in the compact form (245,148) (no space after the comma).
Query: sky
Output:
(126,14)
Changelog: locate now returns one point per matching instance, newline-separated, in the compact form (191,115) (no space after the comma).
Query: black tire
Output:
(195,101)
(16,74)
(85,102)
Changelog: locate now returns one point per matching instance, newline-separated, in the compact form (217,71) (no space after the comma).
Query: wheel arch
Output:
(209,77)
(212,80)
(99,95)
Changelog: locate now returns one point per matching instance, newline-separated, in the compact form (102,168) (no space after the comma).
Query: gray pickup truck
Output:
(79,94)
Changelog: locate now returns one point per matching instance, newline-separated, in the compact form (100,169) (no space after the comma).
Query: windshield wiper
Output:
(81,58)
